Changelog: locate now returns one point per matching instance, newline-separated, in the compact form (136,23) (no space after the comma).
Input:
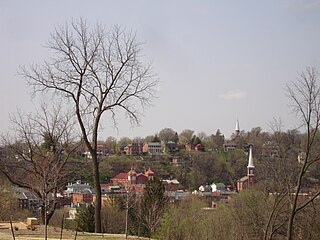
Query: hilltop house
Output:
(153,148)
(134,149)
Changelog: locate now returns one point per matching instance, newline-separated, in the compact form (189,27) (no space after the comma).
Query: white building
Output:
(78,187)
(218,187)
(153,148)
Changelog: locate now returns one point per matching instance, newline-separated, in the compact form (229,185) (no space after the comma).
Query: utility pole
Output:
(127,210)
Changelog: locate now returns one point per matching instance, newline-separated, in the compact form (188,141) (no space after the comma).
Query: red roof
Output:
(149,172)
(132,172)
(121,176)
(141,174)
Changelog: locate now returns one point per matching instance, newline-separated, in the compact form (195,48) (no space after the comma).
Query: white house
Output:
(78,187)
(205,190)
(218,187)
(152,148)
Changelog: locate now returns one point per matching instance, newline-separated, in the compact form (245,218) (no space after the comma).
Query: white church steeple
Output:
(250,169)
(250,161)
(237,130)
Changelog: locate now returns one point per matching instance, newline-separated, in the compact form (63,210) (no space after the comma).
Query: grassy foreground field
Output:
(22,233)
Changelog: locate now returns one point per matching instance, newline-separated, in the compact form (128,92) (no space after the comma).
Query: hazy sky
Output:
(216,60)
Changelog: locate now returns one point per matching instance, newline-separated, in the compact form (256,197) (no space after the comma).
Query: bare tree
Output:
(97,71)
(305,102)
(278,170)
(167,134)
(8,201)
(186,135)
(112,145)
(38,153)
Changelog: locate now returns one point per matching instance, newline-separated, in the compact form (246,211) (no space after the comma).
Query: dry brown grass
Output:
(22,233)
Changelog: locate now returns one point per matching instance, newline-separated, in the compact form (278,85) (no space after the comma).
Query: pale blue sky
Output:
(217,60)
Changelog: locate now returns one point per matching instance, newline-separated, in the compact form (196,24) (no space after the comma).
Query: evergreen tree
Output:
(195,140)
(152,205)
(85,218)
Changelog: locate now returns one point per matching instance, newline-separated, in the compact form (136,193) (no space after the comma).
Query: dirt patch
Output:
(16,225)
(22,233)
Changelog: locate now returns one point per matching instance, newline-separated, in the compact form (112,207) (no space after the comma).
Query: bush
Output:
(85,218)
(113,219)
(56,219)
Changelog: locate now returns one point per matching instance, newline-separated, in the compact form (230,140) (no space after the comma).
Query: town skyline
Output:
(216,62)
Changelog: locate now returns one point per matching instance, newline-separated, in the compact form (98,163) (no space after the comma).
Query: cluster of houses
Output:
(151,148)
(220,193)
(79,193)
(215,193)
(157,148)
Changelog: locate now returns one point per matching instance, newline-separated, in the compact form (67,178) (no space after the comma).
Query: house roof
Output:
(121,176)
(25,194)
(21,196)
(141,175)
(124,176)
(245,178)
(219,185)
(105,185)
(149,172)
(174,181)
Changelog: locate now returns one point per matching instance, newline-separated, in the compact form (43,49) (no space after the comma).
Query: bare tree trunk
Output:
(294,205)
(76,234)
(98,197)
(12,231)
(62,221)
(46,219)
(42,215)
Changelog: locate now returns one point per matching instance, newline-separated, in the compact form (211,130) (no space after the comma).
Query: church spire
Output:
(237,130)
(250,161)
(250,169)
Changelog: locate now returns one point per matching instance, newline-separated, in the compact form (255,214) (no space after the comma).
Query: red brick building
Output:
(134,149)
(131,179)
(81,198)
